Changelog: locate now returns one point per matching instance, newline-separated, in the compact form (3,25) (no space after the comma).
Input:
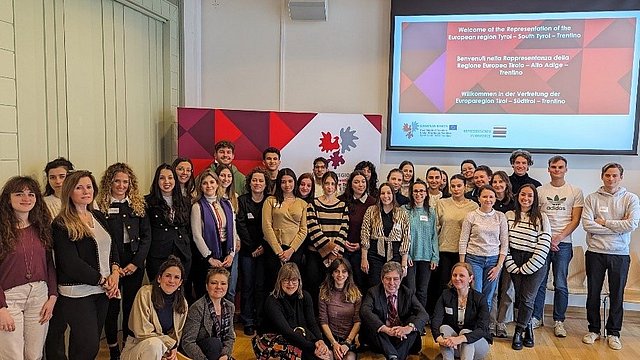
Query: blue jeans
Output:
(481,266)
(233,280)
(559,260)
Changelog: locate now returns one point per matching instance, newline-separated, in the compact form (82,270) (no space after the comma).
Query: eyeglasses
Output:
(290,281)
(419,191)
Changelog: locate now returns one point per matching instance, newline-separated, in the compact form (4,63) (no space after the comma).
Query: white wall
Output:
(95,81)
(254,57)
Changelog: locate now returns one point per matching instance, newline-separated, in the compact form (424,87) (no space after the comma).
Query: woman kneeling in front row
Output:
(460,323)
(158,316)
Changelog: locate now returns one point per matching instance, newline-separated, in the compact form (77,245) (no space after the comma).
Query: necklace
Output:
(28,261)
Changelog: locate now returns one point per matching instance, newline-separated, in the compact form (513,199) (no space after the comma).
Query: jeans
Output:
(464,351)
(617,269)
(481,266)
(559,261)
(233,280)
(251,287)
(24,303)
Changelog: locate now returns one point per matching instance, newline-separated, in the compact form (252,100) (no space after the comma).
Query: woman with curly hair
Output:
(339,305)
(28,290)
(370,173)
(168,213)
(251,258)
(120,201)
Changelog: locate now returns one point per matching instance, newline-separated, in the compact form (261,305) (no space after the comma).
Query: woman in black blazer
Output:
(87,265)
(460,323)
(168,213)
(122,204)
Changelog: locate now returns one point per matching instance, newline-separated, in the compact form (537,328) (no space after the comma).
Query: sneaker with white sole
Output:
(614,342)
(536,323)
(559,330)
(501,330)
(590,338)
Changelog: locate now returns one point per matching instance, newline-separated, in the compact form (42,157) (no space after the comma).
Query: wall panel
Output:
(90,83)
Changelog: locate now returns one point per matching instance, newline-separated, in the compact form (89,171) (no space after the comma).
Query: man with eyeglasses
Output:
(391,316)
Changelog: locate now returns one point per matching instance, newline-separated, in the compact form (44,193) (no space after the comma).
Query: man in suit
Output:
(391,316)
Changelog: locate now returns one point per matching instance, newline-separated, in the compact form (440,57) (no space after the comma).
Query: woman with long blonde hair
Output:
(87,264)
(121,202)
(213,227)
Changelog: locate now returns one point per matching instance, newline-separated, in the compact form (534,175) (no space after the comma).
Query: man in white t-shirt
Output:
(563,203)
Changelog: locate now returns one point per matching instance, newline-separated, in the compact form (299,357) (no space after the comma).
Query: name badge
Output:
(603,209)
(114,210)
(424,218)
(448,310)
(250,216)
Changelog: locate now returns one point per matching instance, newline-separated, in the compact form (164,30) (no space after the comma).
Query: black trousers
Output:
(526,287)
(54,346)
(383,343)
(129,286)
(314,274)
(617,269)
(85,316)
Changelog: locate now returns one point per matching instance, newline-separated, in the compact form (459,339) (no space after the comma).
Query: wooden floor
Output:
(548,347)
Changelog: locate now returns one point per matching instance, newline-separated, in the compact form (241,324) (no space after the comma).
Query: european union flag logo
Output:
(453,127)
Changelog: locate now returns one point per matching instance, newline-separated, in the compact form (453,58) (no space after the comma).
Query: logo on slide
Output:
(408,129)
(338,145)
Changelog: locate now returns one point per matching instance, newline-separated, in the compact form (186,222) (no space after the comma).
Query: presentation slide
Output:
(545,81)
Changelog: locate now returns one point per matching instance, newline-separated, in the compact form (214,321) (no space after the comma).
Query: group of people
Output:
(318,271)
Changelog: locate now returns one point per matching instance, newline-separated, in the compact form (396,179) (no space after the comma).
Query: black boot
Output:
(516,344)
(528,336)
(114,352)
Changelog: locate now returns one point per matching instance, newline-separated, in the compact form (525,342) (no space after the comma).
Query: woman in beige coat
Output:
(158,316)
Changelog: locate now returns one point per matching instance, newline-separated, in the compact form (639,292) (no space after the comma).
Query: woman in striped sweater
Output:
(529,242)
(328,225)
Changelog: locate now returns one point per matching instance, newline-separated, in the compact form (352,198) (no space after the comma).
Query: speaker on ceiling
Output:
(308,10)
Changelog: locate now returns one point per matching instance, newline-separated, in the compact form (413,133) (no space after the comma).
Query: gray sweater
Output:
(621,212)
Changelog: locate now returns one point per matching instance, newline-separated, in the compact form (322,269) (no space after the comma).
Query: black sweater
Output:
(249,224)
(77,261)
(286,313)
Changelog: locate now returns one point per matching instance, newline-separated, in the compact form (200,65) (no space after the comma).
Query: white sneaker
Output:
(614,342)
(536,323)
(590,338)
(559,329)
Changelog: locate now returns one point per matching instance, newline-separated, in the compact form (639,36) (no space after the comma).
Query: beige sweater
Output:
(284,224)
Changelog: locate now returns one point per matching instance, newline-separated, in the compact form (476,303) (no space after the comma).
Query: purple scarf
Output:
(210,230)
